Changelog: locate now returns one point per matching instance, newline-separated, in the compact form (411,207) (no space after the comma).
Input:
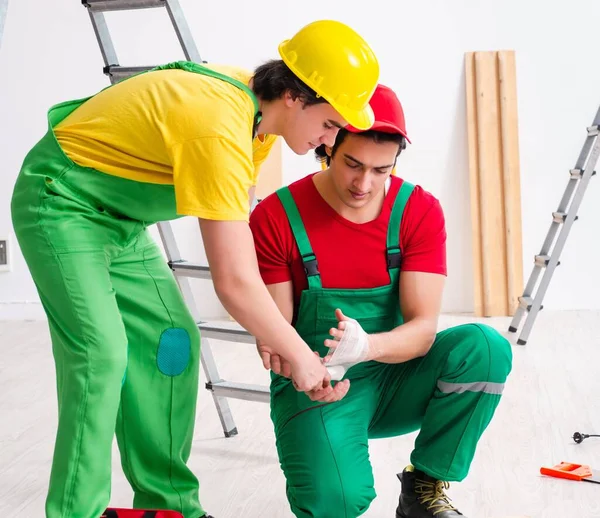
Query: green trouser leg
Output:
(125,347)
(451,395)
(155,422)
(324,456)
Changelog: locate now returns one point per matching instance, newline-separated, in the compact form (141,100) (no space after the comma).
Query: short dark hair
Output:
(273,78)
(376,136)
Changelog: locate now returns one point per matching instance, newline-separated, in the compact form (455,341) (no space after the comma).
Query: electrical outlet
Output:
(5,263)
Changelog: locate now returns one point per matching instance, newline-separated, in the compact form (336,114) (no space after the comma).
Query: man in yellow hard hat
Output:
(181,140)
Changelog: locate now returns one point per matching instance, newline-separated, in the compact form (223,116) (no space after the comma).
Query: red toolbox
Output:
(113,512)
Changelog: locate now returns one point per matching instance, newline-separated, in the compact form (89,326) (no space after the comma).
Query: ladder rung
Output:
(559,217)
(244,391)
(527,303)
(121,5)
(187,269)
(578,173)
(593,131)
(543,260)
(119,72)
(226,333)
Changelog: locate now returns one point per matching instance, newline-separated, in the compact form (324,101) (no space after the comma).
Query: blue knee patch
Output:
(173,351)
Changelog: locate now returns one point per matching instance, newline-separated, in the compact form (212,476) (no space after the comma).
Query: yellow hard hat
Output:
(338,64)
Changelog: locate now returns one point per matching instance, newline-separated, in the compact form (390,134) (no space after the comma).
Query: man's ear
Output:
(328,151)
(288,98)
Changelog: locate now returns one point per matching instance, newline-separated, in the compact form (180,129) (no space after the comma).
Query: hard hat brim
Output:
(361,119)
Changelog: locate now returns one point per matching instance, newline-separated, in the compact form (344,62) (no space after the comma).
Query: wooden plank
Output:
(474,183)
(511,177)
(491,185)
(494,172)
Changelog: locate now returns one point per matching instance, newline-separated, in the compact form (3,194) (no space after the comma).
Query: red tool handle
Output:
(568,470)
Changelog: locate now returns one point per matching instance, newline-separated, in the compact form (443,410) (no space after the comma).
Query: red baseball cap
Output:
(389,115)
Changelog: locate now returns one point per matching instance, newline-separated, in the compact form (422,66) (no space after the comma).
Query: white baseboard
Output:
(22,310)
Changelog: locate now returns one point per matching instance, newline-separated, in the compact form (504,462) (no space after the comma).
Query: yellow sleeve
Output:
(212,177)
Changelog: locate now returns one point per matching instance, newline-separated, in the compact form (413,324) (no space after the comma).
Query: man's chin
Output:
(355,204)
(299,150)
(307,148)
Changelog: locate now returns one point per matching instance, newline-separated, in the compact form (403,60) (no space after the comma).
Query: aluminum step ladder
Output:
(183,270)
(562,221)
(3,12)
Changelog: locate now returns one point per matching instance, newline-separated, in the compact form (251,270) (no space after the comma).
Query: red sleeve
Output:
(423,234)
(273,240)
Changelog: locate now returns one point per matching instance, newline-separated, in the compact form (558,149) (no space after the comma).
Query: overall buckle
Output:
(394,257)
(311,266)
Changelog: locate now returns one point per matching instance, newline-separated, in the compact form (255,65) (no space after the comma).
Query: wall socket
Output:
(5,250)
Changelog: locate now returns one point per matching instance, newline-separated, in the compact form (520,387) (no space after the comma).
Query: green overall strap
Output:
(309,259)
(394,255)
(199,69)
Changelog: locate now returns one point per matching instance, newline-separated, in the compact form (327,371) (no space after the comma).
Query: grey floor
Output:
(553,391)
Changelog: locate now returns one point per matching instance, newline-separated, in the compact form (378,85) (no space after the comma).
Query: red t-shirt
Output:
(349,255)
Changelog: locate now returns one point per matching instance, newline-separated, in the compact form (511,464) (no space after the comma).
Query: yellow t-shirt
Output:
(174,127)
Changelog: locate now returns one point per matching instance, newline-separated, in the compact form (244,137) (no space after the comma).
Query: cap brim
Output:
(362,120)
(384,127)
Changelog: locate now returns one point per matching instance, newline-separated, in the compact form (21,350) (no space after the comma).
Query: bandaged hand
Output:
(350,345)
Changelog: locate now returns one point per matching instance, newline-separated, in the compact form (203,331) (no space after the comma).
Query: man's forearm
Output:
(234,271)
(403,343)
(261,317)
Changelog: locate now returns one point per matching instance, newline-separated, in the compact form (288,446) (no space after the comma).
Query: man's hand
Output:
(329,396)
(356,346)
(281,366)
(273,361)
(309,374)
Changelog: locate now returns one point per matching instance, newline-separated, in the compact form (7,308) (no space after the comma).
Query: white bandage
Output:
(352,348)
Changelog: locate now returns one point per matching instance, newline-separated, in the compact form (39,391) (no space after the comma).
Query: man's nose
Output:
(363,182)
(328,137)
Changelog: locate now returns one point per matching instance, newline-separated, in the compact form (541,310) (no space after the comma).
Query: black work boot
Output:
(423,496)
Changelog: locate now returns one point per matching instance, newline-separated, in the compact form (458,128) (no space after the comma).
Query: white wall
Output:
(49,54)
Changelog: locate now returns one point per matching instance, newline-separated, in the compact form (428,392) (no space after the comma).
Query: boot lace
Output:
(431,495)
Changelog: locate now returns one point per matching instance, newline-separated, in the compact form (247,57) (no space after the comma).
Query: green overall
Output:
(125,345)
(450,394)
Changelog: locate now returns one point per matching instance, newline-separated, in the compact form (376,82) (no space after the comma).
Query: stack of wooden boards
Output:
(494,171)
